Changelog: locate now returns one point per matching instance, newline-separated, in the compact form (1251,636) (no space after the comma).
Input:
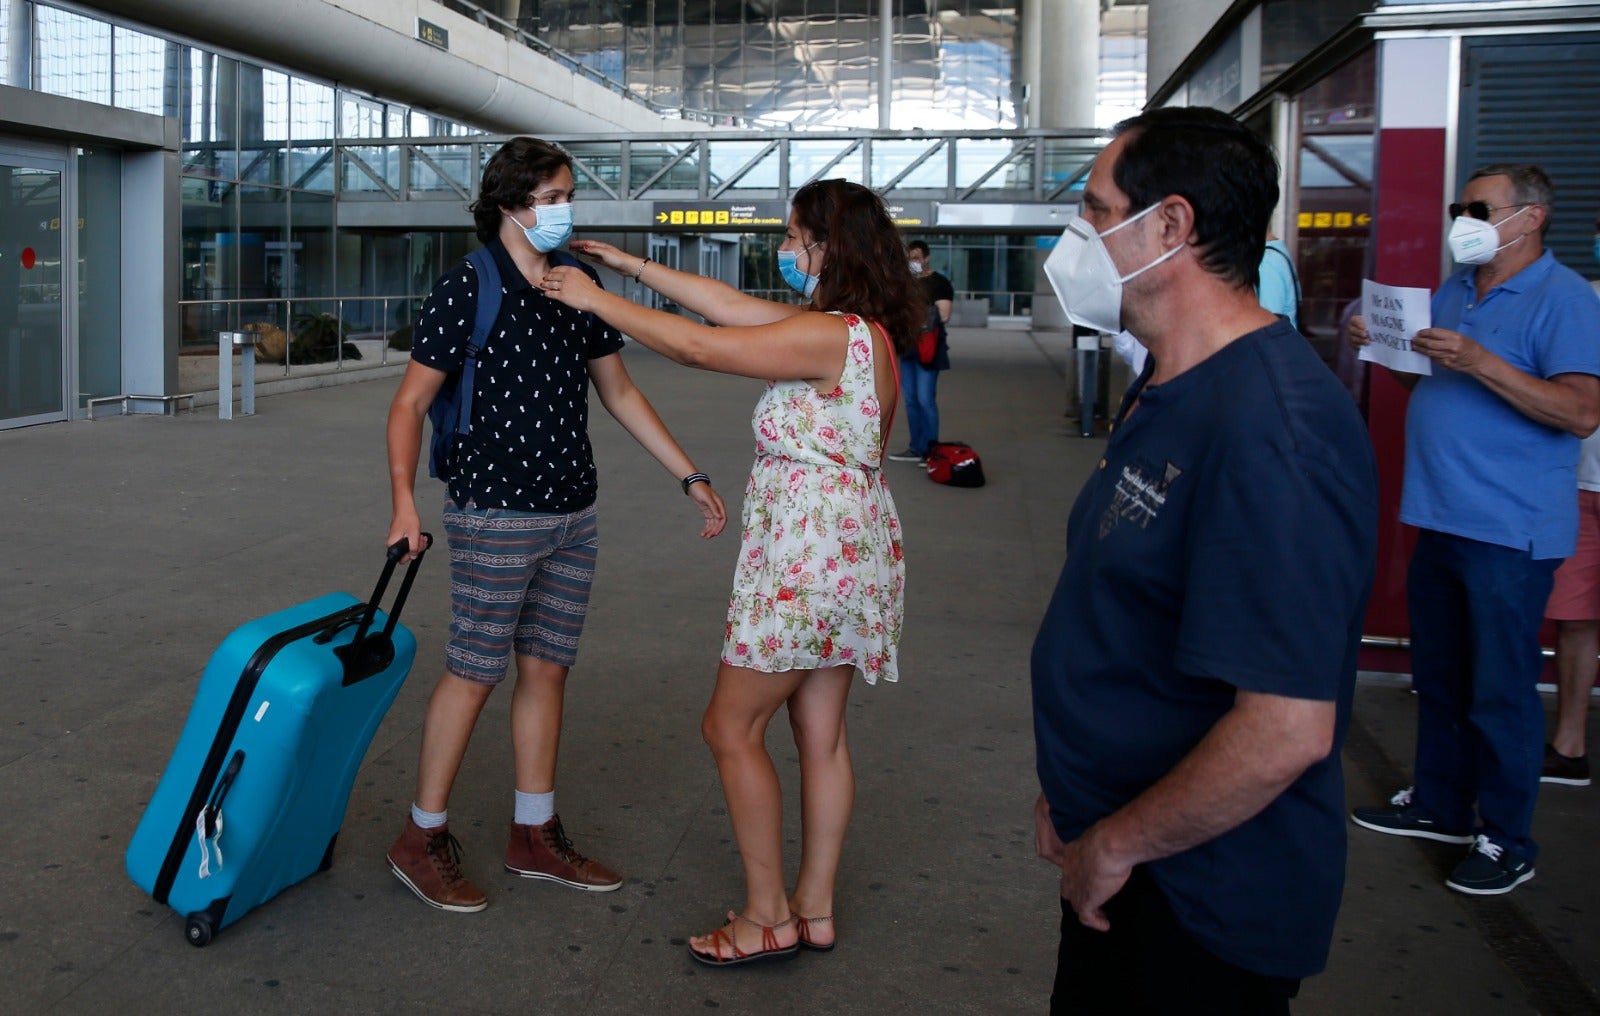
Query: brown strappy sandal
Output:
(770,950)
(805,924)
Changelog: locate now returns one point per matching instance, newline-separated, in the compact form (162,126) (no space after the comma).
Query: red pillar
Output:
(1408,238)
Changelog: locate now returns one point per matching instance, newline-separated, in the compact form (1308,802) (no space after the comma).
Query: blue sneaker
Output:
(1402,818)
(1489,870)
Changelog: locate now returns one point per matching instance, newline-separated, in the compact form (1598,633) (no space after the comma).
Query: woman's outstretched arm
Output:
(712,299)
(808,346)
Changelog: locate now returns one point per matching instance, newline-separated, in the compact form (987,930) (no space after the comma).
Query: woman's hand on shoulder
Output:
(618,261)
(571,286)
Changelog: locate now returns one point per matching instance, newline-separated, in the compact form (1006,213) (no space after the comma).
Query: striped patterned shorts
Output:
(519,582)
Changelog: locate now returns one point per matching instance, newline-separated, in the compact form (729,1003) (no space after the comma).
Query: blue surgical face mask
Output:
(552,226)
(802,283)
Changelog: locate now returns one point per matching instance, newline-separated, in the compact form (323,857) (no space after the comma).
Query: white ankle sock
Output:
(534,809)
(429,819)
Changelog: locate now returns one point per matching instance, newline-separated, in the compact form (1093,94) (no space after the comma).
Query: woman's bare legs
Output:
(827,792)
(735,726)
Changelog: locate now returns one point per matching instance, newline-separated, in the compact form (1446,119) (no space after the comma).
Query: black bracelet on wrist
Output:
(694,478)
(640,272)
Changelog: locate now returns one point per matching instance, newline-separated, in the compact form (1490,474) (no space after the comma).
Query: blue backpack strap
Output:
(489,293)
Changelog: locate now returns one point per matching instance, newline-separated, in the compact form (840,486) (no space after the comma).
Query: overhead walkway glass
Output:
(993,180)
(383,218)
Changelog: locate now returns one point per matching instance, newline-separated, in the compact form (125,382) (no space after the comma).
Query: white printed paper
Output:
(1394,315)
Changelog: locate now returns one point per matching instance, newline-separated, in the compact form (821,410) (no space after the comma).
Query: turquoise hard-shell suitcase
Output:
(253,797)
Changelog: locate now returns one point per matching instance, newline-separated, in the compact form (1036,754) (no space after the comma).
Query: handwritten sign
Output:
(1394,315)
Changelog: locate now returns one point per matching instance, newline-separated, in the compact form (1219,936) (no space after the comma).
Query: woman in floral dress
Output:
(819,588)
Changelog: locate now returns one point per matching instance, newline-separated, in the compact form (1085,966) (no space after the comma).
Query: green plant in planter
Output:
(318,338)
(400,339)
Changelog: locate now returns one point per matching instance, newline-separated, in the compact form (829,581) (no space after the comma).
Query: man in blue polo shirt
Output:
(1193,673)
(1491,455)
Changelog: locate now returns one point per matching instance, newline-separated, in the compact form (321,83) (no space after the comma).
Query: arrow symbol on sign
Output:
(661,216)
(1363,219)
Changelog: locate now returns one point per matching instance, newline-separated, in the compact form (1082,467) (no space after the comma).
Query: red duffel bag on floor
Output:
(954,463)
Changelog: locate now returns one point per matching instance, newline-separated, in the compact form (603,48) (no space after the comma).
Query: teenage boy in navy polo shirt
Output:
(1193,673)
(519,516)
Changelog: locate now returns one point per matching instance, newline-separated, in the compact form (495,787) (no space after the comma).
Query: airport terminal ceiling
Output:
(809,63)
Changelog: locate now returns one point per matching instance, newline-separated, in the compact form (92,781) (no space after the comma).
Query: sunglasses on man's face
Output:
(1478,209)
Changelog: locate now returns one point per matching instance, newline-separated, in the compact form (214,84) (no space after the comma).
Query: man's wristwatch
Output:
(694,478)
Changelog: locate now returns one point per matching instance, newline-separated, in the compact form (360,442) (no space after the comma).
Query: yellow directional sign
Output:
(698,217)
(432,34)
(760,215)
(915,213)
(1334,220)
(731,215)
(765,215)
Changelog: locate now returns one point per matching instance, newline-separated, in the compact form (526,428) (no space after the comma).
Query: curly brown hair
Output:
(510,175)
(865,272)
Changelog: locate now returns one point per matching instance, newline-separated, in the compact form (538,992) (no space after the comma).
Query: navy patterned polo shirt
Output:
(529,446)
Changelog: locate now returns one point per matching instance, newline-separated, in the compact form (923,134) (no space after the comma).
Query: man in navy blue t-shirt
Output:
(1193,673)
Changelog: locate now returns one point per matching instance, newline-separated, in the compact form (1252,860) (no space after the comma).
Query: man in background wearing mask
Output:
(1192,676)
(919,382)
(1491,446)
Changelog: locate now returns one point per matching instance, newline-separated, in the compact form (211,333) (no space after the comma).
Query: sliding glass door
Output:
(35,284)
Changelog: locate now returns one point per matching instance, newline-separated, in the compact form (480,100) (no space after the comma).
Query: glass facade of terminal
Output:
(268,155)
(258,186)
(806,63)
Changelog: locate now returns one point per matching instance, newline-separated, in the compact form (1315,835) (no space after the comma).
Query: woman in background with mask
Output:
(818,590)
(519,515)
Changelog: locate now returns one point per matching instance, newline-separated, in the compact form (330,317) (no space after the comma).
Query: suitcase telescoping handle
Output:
(366,654)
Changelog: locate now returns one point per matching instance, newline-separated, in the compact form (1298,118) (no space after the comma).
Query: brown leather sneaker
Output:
(543,851)
(428,861)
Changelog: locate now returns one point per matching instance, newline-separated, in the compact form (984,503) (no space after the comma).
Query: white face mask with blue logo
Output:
(552,226)
(1474,241)
(788,267)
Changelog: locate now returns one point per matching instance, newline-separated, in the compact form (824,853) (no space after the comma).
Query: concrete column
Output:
(19,43)
(1063,81)
(151,285)
(1032,49)
(885,62)
(1066,82)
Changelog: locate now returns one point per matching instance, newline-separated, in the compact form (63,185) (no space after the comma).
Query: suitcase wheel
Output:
(198,930)
(200,926)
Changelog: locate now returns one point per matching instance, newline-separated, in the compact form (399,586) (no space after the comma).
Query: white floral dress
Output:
(821,577)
